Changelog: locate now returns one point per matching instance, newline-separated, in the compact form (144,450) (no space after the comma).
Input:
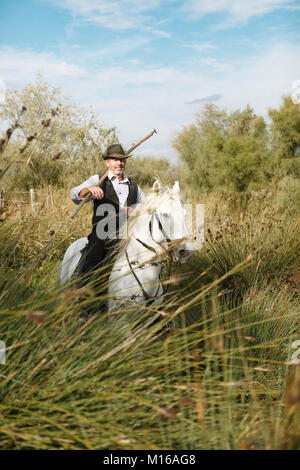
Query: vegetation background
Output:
(217,369)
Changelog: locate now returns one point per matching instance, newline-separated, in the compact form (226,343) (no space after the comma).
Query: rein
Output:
(149,299)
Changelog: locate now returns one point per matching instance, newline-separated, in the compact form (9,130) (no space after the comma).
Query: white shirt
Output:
(121,188)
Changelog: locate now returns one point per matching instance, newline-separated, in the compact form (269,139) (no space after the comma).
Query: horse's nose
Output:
(184,254)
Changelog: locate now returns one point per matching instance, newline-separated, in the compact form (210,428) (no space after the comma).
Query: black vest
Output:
(110,197)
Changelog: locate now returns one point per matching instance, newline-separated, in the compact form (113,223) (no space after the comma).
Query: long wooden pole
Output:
(106,173)
(141,141)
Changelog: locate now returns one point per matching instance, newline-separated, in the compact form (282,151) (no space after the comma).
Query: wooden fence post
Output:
(32,198)
(2,198)
(20,212)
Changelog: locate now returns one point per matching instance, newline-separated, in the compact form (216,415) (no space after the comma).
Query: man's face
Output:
(116,165)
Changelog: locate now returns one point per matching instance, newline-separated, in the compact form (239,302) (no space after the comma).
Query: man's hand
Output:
(94,190)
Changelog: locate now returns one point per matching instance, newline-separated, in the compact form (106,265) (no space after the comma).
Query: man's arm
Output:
(94,190)
(79,192)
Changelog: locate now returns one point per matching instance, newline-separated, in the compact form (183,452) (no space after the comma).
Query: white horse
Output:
(155,228)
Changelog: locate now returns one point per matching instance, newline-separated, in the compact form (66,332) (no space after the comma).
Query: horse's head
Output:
(169,222)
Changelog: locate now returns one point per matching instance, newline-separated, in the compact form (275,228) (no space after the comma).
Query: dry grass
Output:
(213,373)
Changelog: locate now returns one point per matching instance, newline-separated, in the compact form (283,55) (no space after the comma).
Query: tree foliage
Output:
(54,139)
(237,150)
(285,138)
(145,169)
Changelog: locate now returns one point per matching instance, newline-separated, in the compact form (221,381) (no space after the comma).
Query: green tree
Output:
(224,150)
(55,139)
(285,139)
(145,169)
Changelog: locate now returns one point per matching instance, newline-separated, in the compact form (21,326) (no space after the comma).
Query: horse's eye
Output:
(165,215)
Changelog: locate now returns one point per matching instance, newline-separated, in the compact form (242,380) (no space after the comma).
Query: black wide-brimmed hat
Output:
(115,151)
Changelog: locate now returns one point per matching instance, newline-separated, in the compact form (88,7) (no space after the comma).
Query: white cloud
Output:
(128,14)
(21,66)
(120,15)
(137,99)
(238,10)
(161,33)
(114,50)
(114,14)
(217,65)
(201,47)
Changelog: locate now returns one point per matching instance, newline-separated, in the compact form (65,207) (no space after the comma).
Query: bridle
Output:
(150,299)
(161,229)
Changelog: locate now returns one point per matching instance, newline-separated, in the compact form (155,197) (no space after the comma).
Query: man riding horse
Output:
(115,195)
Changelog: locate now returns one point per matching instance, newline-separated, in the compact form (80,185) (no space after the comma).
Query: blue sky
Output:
(154,63)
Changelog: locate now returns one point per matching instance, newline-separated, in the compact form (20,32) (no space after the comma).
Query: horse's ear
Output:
(156,186)
(176,187)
